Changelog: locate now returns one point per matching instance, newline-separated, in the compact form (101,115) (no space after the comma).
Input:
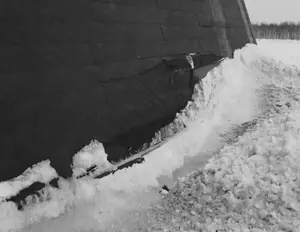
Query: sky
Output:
(273,10)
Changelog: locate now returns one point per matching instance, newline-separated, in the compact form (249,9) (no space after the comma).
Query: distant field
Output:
(277,31)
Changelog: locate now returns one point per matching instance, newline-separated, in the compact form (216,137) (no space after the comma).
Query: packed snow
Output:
(41,172)
(90,156)
(233,166)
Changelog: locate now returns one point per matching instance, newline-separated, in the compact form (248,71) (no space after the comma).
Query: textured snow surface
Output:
(252,184)
(240,136)
(91,155)
(41,172)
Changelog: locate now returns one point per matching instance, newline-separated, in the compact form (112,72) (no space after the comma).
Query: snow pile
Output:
(92,155)
(245,111)
(253,184)
(229,98)
(225,82)
(53,203)
(41,172)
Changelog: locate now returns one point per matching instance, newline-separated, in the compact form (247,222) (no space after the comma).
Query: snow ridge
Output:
(250,184)
(253,183)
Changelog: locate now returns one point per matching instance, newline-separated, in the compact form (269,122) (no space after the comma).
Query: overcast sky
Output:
(273,10)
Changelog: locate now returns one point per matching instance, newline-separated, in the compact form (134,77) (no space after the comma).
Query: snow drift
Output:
(240,130)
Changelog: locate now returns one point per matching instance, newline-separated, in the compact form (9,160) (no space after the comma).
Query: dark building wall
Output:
(76,70)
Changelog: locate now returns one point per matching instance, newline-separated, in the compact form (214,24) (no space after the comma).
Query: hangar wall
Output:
(76,70)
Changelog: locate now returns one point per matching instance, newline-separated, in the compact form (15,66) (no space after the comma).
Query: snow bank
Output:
(92,155)
(41,172)
(226,97)
(253,183)
(231,75)
(53,202)
(226,103)
(251,186)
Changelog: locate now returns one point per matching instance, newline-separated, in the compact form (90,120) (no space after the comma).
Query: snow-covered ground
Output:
(242,136)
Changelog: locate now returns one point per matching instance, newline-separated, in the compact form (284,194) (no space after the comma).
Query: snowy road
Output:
(242,132)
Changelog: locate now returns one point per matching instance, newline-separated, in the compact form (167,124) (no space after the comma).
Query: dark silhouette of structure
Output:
(76,70)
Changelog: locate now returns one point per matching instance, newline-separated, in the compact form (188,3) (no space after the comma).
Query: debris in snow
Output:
(165,190)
